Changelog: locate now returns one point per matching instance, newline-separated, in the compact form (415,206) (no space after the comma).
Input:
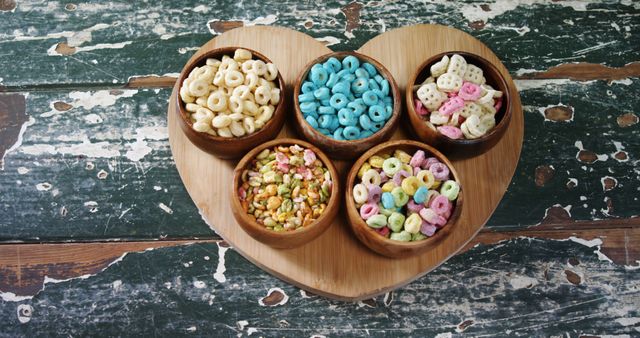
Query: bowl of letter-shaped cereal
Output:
(230,100)
(458,102)
(285,193)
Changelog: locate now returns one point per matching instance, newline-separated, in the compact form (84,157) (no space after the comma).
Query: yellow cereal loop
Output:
(411,184)
(406,167)
(376,161)
(426,177)
(242,54)
(366,166)
(388,186)
(402,156)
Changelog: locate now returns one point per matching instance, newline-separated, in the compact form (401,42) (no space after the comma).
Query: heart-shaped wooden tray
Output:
(335,264)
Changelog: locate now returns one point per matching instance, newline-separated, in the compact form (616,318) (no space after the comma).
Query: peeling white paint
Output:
(192,328)
(536,84)
(261,20)
(23,170)
(93,118)
(221,268)
(304,294)
(92,205)
(242,324)
(626,82)
(24,311)
(444,335)
(523,282)
(75,37)
(604,188)
(44,186)
(251,331)
(199,284)
(473,12)
(18,142)
(328,40)
(596,242)
(184,50)
(201,9)
(12,297)
(284,300)
(165,208)
(102,98)
(573,180)
(119,45)
(116,285)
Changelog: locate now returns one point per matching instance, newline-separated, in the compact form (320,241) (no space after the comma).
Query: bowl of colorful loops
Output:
(459,103)
(345,103)
(286,192)
(403,197)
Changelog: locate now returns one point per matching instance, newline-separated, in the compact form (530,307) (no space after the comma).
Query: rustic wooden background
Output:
(87,182)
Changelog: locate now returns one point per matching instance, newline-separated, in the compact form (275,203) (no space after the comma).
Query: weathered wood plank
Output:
(109,42)
(521,287)
(110,148)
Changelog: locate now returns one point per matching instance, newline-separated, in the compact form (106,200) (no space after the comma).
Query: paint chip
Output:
(25,311)
(627,120)
(573,277)
(165,208)
(543,174)
(274,297)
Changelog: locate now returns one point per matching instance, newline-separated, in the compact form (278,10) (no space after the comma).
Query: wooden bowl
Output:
(463,147)
(287,239)
(235,147)
(380,244)
(338,149)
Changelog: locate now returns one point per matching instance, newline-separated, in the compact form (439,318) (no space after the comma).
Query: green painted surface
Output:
(517,288)
(118,39)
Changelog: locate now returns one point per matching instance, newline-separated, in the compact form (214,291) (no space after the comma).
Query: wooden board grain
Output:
(335,264)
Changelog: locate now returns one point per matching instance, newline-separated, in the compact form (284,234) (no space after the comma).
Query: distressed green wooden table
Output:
(88,185)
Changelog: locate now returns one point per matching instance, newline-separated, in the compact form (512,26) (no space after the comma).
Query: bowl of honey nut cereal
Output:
(285,193)
(403,197)
(230,100)
(458,102)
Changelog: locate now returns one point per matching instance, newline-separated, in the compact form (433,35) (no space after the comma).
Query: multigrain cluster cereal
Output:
(405,197)
(285,188)
(231,97)
(346,100)
(456,100)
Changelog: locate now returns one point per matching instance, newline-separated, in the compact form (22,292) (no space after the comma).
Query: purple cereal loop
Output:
(414,207)
(428,162)
(416,170)
(399,176)
(440,204)
(374,194)
(427,229)
(428,215)
(417,158)
(368,210)
(440,221)
(383,178)
(440,171)
(420,109)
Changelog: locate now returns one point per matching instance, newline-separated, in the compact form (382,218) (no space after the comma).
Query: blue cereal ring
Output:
(322,93)
(342,87)
(361,72)
(308,107)
(357,107)
(337,134)
(326,103)
(378,78)
(324,121)
(319,75)
(389,110)
(365,134)
(332,65)
(306,97)
(351,133)
(338,101)
(384,87)
(343,73)
(377,113)
(365,122)
(387,200)
(312,121)
(312,114)
(324,131)
(349,78)
(360,85)
(351,63)
(370,69)
(379,93)
(387,100)
(323,110)
(308,87)
(377,126)
(335,124)
(373,84)
(347,118)
(333,79)
(370,98)
(420,195)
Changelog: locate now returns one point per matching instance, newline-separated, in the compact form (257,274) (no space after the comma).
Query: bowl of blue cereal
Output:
(345,103)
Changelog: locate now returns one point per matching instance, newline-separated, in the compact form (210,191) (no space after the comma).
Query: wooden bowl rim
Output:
(397,101)
(486,64)
(228,50)
(370,232)
(246,159)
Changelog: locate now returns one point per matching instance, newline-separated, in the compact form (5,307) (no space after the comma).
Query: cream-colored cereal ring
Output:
(191,107)
(184,95)
(236,117)
(242,54)
(201,126)
(487,98)
(233,78)
(440,67)
(212,132)
(263,82)
(221,121)
(249,124)
(275,96)
(202,101)
(262,95)
(228,64)
(454,120)
(237,129)
(264,113)
(218,79)
(250,108)
(242,92)
(272,72)
(224,132)
(259,124)
(203,114)
(457,65)
(199,88)
(449,82)
(259,67)
(217,101)
(474,126)
(438,119)
(236,104)
(213,62)
(247,66)
(465,131)
(197,71)
(488,121)
(251,80)
(208,74)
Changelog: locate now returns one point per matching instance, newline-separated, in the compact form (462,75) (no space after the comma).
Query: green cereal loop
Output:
(263,154)
(377,221)
(396,221)
(450,189)
(391,166)
(418,237)
(401,236)
(386,212)
(400,198)
(283,189)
